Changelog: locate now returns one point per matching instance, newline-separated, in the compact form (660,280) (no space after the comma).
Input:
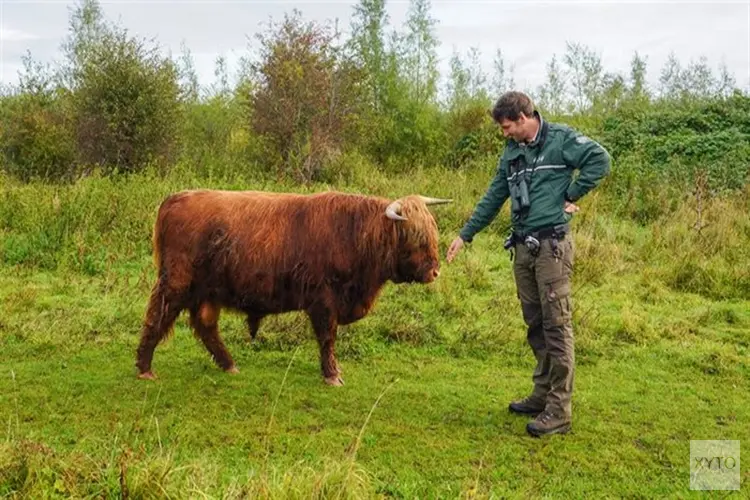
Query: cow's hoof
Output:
(149,375)
(233,370)
(335,380)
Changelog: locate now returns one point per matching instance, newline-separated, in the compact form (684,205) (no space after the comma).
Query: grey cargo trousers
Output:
(543,283)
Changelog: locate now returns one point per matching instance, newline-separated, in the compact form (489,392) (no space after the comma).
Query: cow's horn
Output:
(393,211)
(434,201)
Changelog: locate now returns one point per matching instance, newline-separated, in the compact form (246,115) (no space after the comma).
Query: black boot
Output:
(527,406)
(548,423)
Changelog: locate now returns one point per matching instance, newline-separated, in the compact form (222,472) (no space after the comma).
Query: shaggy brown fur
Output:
(327,254)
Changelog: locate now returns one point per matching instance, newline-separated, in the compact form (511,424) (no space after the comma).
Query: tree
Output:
(189,87)
(638,87)
(613,92)
(500,74)
(86,27)
(125,94)
(305,97)
(585,71)
(458,82)
(400,79)
(221,85)
(502,79)
(552,92)
(367,49)
(477,76)
(670,77)
(696,81)
(420,49)
(36,135)
(726,83)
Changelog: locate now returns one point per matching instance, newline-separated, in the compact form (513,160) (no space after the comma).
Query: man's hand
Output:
(571,208)
(455,247)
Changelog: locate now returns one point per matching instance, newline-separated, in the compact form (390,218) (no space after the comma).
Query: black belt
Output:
(558,231)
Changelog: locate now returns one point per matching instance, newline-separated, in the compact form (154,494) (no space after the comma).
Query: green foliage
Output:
(586,72)
(473,135)
(696,81)
(216,139)
(551,95)
(408,136)
(125,97)
(419,52)
(306,97)
(113,105)
(673,141)
(80,227)
(400,120)
(37,138)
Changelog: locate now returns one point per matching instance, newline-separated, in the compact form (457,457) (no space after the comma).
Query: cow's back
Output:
(266,251)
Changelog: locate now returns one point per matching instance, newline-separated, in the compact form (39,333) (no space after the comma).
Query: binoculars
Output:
(519,192)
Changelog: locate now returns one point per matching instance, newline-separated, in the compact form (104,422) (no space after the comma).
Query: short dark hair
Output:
(510,106)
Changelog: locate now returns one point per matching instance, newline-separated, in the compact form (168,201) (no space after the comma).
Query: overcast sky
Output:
(528,32)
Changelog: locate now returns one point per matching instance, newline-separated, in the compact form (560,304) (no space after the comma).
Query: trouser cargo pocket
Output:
(558,302)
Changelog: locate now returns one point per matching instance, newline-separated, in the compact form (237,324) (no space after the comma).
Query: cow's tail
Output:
(159,307)
(157,237)
(161,311)
(156,243)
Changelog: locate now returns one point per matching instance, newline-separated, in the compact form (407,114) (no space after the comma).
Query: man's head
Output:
(514,113)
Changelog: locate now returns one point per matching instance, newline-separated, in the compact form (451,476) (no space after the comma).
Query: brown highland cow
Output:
(328,254)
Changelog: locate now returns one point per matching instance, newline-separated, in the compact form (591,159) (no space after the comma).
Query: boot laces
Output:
(545,416)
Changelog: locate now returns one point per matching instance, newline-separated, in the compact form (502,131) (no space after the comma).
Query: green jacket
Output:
(549,184)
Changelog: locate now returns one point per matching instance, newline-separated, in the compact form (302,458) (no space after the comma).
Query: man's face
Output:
(516,130)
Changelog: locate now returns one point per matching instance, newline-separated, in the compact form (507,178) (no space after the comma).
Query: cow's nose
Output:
(435,273)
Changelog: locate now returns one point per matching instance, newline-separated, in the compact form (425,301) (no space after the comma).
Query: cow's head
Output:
(418,257)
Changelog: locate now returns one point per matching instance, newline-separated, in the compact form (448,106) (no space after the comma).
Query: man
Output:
(536,173)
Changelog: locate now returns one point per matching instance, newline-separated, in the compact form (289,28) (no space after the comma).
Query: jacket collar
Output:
(538,135)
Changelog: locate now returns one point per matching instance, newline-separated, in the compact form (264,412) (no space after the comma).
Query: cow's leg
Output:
(205,322)
(253,323)
(325,324)
(163,308)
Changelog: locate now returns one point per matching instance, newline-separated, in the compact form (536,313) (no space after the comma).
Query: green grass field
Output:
(662,323)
